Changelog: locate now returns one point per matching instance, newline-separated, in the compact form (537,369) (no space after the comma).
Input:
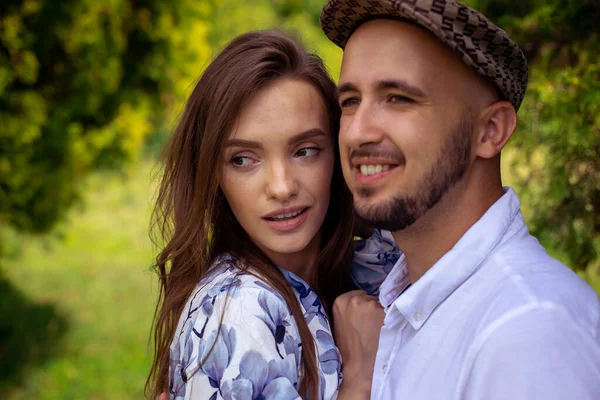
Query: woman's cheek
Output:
(320,177)
(237,186)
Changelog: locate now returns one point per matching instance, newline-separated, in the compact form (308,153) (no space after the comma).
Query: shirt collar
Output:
(455,267)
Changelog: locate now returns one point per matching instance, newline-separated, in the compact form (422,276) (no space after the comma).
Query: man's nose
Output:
(361,128)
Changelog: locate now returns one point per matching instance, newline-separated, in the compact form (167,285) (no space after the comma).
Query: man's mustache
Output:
(393,156)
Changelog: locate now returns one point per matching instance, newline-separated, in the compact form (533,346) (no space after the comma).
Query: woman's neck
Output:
(301,263)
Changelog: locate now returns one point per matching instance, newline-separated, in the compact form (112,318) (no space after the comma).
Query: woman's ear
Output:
(495,126)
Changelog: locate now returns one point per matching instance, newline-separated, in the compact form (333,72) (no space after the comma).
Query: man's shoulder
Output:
(531,283)
(539,330)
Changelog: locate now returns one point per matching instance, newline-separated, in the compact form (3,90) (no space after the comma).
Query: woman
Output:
(255,254)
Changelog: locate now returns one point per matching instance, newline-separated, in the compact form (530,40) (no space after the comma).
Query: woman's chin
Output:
(298,243)
(293,247)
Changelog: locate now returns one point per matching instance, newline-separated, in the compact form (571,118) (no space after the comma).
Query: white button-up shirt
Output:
(494,318)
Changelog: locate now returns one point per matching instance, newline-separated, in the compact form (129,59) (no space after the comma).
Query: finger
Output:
(361,300)
(343,300)
(352,293)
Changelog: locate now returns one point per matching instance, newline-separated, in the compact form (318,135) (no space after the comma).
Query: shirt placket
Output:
(390,341)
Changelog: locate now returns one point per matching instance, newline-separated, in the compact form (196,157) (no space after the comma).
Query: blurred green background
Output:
(90,89)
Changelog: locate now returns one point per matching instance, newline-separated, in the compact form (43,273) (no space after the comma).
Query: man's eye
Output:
(307,152)
(350,102)
(399,99)
(241,162)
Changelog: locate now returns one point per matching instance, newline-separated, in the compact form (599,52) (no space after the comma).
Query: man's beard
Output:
(401,211)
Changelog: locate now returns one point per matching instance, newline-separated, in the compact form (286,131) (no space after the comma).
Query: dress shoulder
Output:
(233,326)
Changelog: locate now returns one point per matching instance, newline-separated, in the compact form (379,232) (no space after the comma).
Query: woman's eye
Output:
(307,152)
(241,161)
(350,102)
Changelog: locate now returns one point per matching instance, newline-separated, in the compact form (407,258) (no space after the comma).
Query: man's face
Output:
(406,127)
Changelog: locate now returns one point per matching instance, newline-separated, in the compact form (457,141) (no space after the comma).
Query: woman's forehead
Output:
(280,111)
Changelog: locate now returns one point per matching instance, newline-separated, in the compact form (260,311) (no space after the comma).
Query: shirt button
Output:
(384,368)
(418,316)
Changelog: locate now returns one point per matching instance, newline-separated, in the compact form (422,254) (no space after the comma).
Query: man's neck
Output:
(440,228)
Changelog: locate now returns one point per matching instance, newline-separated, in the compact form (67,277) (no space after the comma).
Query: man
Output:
(474,308)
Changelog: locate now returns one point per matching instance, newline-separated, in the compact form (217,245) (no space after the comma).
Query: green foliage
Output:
(562,144)
(29,332)
(75,312)
(557,167)
(82,84)
(231,18)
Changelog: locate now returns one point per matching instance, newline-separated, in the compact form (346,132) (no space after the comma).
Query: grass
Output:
(79,306)
(98,277)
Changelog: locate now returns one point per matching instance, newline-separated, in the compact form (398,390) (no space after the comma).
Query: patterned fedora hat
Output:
(477,41)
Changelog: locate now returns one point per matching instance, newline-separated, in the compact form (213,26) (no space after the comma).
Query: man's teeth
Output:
(287,215)
(373,169)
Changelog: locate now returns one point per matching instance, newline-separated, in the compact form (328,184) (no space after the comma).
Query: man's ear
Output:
(495,126)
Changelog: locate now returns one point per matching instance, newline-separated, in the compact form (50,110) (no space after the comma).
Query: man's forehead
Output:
(370,58)
(394,50)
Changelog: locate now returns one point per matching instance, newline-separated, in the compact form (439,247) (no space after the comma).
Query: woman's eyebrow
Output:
(311,133)
(243,143)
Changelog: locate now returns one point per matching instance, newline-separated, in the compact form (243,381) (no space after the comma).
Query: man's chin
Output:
(371,202)
(385,215)
(373,215)
(387,224)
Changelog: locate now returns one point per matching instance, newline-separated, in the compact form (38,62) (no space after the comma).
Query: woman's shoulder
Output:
(226,276)
(241,292)
(233,323)
(232,297)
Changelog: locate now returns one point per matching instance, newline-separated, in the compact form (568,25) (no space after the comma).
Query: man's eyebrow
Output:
(346,87)
(243,143)
(309,134)
(400,85)
(384,84)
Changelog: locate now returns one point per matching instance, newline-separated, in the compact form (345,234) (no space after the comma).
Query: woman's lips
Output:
(287,224)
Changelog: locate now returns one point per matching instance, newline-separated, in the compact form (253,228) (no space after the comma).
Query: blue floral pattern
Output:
(373,260)
(253,350)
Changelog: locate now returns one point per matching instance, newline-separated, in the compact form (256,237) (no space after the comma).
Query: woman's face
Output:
(277,169)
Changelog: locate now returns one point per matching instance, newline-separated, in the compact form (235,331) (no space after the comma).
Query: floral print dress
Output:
(256,353)
(253,349)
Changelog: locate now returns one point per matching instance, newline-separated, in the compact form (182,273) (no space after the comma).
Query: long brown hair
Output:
(192,216)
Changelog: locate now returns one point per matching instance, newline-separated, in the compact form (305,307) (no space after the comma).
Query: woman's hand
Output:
(358,318)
